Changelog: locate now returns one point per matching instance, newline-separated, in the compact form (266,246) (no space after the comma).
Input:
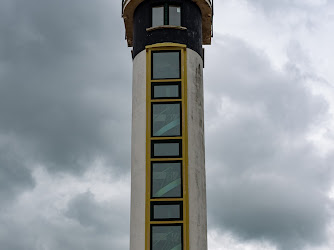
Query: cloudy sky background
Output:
(65,120)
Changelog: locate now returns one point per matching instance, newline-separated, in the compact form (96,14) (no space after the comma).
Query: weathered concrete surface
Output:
(138,153)
(196,153)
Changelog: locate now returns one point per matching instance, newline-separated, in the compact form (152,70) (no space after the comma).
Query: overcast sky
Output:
(65,120)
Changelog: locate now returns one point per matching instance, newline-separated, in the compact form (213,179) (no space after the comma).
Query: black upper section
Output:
(191,18)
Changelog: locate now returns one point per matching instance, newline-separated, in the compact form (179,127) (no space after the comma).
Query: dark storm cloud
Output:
(15,177)
(65,104)
(273,185)
(62,87)
(89,214)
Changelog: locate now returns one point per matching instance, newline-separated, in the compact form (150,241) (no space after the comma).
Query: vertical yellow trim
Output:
(148,149)
(185,156)
(185,198)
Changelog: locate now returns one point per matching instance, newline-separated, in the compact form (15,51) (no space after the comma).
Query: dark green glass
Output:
(166,65)
(167,237)
(166,212)
(166,180)
(164,91)
(166,149)
(166,119)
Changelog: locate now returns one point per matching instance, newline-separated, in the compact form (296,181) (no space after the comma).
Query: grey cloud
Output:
(62,87)
(106,219)
(279,211)
(281,5)
(281,98)
(85,224)
(88,213)
(272,184)
(15,177)
(65,102)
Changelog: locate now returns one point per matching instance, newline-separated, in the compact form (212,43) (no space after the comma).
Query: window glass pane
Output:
(175,15)
(165,211)
(166,149)
(157,16)
(161,91)
(167,237)
(166,119)
(166,65)
(166,180)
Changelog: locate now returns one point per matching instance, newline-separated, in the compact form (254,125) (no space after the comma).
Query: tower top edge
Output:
(125,2)
(206,7)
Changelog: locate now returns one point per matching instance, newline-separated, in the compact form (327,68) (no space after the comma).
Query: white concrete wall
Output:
(138,153)
(196,153)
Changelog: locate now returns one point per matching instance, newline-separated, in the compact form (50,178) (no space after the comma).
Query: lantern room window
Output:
(174,15)
(166,15)
(157,16)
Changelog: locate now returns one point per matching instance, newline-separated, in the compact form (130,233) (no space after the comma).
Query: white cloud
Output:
(226,241)
(272,184)
(269,120)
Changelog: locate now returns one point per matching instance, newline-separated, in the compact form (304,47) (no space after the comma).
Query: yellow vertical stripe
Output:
(185,156)
(148,148)
(184,137)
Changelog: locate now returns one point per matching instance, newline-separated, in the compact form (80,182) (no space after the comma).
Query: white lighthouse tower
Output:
(168,190)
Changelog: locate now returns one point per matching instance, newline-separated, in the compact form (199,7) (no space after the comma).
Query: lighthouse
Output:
(168,189)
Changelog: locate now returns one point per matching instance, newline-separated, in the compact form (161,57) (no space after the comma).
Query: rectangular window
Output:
(157,16)
(166,237)
(175,15)
(168,210)
(166,172)
(166,180)
(166,148)
(166,15)
(166,90)
(166,119)
(166,65)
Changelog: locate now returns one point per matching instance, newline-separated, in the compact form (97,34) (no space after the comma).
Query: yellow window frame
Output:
(185,198)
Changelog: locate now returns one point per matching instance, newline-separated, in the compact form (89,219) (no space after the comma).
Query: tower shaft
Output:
(168,193)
